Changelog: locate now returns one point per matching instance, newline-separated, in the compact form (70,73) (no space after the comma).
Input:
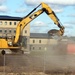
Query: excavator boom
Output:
(31,16)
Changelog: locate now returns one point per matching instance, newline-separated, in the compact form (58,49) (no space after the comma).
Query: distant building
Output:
(8,26)
(40,41)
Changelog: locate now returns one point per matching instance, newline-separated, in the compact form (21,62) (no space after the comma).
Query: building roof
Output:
(2,17)
(39,35)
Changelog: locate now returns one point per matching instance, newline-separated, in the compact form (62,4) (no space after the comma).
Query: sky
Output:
(64,9)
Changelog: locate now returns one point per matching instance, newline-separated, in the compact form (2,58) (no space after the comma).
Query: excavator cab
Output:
(9,38)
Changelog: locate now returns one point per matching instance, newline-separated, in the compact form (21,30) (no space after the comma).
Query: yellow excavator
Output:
(15,43)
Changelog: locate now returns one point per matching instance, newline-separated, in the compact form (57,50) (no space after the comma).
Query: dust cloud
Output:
(55,58)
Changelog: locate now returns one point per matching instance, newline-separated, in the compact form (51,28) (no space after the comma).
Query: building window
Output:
(5,31)
(0,22)
(39,41)
(9,31)
(5,23)
(14,31)
(39,48)
(10,23)
(33,41)
(14,23)
(25,31)
(33,48)
(0,31)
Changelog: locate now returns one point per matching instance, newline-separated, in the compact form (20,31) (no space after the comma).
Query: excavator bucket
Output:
(55,34)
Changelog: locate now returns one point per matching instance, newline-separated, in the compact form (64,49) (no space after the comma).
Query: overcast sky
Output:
(64,9)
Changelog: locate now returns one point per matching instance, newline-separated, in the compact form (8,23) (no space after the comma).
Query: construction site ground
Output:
(37,63)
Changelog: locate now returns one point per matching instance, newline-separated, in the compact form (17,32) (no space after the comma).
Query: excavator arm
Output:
(53,16)
(32,15)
